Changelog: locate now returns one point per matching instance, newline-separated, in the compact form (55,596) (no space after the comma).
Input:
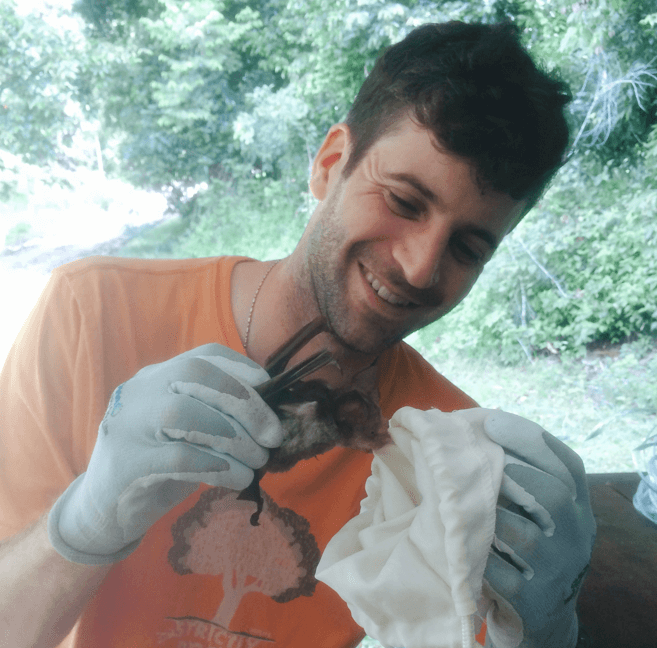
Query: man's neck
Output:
(284,304)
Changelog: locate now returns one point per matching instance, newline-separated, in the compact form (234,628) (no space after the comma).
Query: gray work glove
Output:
(192,419)
(543,539)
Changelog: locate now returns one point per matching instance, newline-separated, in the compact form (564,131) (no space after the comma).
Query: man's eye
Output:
(402,207)
(465,253)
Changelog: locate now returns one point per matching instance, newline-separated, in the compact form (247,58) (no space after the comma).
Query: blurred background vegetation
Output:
(220,106)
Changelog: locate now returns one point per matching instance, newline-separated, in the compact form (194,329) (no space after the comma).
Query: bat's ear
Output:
(330,160)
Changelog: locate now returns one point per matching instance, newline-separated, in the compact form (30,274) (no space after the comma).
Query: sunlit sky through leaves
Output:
(26,6)
(54,12)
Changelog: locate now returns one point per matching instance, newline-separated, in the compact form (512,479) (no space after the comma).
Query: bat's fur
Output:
(318,418)
(315,416)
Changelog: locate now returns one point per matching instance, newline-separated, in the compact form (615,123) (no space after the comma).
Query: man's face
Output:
(402,240)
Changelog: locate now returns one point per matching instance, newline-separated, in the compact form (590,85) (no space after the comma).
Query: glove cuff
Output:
(66,550)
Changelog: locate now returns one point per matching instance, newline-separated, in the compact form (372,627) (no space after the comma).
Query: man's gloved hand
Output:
(194,418)
(543,539)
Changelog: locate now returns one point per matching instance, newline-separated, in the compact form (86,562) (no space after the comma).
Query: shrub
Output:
(263,218)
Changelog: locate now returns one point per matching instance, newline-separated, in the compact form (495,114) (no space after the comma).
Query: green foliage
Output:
(11,168)
(195,87)
(223,103)
(114,18)
(18,234)
(38,68)
(324,50)
(605,256)
(262,218)
(194,43)
(607,51)
(651,152)
(21,182)
(170,87)
(274,133)
(157,242)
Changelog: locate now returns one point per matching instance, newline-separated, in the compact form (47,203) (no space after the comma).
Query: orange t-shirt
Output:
(202,576)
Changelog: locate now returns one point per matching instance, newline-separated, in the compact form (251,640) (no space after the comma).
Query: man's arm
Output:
(42,593)
(167,429)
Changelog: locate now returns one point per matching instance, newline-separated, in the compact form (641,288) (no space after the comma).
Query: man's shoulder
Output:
(98,274)
(106,265)
(408,379)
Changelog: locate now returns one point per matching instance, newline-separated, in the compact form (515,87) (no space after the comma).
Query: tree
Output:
(114,19)
(608,53)
(277,557)
(172,84)
(39,66)
(234,85)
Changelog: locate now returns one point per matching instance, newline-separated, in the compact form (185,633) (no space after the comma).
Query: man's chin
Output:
(368,345)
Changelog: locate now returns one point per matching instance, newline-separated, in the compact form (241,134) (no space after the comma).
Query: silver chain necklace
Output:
(257,292)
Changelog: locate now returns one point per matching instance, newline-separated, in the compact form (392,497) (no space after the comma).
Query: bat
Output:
(315,416)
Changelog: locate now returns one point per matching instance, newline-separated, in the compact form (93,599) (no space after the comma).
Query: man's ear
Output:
(330,160)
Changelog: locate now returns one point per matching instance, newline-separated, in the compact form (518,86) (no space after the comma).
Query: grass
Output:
(156,242)
(602,405)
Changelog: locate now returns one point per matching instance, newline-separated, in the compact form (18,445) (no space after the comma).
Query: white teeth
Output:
(383,292)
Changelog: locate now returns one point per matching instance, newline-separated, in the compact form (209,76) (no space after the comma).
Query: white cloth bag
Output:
(410,565)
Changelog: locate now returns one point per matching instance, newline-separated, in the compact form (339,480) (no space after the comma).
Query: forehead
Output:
(410,154)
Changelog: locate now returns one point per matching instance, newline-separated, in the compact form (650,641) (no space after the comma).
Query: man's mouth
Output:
(387,295)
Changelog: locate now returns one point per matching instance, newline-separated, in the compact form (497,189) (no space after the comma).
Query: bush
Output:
(262,218)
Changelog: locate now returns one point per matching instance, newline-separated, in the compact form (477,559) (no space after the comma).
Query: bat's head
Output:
(318,418)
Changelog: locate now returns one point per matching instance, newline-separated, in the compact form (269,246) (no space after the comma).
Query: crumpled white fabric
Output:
(410,566)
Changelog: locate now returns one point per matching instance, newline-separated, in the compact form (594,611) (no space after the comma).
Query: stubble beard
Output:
(329,265)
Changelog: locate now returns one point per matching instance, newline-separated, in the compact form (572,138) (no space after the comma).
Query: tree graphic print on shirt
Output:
(277,558)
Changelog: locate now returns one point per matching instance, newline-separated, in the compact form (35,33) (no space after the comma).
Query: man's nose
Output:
(419,255)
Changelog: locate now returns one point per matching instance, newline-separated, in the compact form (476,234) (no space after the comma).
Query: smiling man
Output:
(128,518)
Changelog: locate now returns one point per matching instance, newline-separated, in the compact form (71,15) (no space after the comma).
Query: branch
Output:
(543,269)
(524,348)
(605,97)
(523,291)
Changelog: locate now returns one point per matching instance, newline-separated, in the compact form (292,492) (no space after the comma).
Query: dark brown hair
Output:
(480,93)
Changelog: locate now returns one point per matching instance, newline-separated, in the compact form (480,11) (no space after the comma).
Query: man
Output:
(451,140)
